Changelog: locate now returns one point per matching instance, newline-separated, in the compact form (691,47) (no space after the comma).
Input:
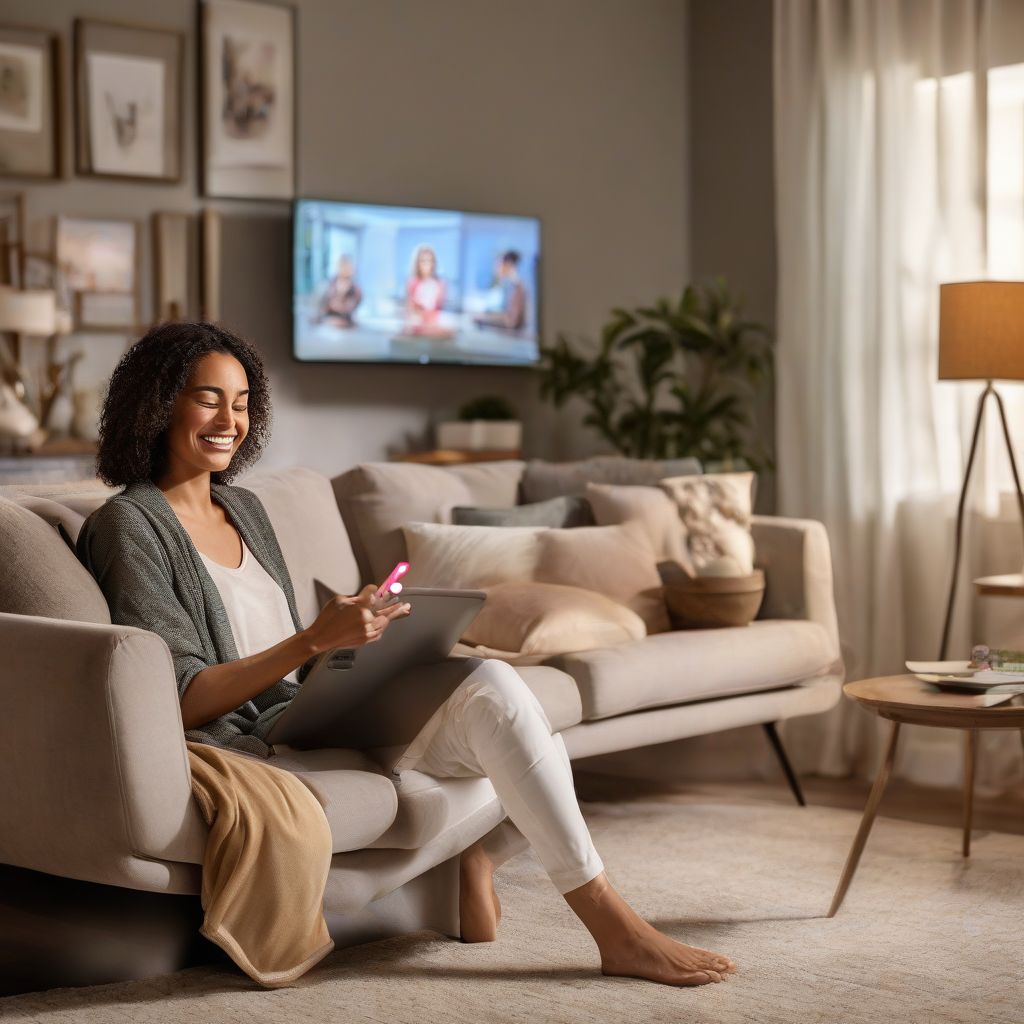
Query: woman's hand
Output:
(353,621)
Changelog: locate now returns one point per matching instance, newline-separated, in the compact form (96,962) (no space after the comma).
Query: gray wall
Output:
(572,111)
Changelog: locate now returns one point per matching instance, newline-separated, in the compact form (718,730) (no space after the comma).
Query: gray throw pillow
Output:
(561,512)
(543,480)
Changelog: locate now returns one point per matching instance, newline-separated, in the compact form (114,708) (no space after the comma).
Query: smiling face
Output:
(210,417)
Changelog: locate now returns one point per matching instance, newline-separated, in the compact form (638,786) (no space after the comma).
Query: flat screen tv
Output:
(398,284)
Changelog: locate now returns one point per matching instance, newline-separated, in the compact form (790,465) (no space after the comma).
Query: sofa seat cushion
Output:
(429,807)
(697,664)
(557,693)
(358,799)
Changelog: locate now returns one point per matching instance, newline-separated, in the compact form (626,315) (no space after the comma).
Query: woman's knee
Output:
(501,694)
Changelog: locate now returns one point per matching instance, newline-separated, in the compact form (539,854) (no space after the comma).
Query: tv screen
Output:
(411,285)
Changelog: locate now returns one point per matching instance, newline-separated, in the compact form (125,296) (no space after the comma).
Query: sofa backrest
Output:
(377,498)
(310,530)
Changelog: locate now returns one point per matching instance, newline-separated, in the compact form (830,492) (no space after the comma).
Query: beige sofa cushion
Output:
(651,506)
(466,557)
(377,498)
(41,576)
(547,618)
(689,665)
(616,561)
(315,545)
(359,801)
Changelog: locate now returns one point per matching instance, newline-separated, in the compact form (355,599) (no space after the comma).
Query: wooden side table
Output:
(906,700)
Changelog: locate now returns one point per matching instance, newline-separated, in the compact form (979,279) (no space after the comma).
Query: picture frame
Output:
(128,101)
(247,99)
(30,130)
(171,275)
(99,259)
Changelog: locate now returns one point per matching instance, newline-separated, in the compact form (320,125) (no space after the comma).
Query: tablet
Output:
(369,696)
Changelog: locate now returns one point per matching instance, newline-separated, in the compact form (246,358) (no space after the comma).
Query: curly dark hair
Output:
(142,391)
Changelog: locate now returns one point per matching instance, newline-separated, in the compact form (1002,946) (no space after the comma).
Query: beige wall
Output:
(574,111)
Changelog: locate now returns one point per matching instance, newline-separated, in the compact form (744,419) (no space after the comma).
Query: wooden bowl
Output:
(710,602)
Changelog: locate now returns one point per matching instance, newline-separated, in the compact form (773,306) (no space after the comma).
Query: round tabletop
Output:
(909,699)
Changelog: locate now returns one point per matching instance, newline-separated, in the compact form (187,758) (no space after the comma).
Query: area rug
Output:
(924,936)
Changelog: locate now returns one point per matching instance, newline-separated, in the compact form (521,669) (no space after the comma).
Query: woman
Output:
(182,552)
(424,294)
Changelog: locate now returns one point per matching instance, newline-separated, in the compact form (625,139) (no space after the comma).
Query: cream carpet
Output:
(922,937)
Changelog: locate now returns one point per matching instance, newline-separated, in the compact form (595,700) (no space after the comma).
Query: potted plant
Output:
(487,422)
(674,379)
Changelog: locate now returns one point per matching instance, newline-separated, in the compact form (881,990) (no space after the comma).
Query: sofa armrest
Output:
(797,563)
(95,765)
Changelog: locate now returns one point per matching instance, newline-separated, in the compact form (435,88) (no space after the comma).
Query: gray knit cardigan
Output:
(152,577)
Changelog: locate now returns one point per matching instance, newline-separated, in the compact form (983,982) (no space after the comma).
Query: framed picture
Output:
(128,106)
(100,263)
(247,99)
(29,123)
(171,275)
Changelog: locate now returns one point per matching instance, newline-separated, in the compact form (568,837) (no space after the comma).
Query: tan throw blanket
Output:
(265,864)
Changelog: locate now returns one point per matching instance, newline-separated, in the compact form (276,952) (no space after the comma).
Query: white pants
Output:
(493,725)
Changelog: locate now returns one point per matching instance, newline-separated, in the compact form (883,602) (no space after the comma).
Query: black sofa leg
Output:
(780,753)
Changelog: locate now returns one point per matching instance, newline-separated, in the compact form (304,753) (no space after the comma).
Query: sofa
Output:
(101,842)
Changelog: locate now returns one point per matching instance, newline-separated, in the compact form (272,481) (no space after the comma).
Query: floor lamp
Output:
(981,337)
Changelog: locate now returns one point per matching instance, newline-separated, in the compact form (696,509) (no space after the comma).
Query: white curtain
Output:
(881,148)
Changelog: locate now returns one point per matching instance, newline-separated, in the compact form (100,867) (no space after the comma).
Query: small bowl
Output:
(714,602)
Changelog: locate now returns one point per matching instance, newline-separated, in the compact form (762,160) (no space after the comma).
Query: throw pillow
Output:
(543,480)
(547,618)
(40,575)
(715,513)
(376,498)
(563,512)
(650,506)
(617,561)
(470,557)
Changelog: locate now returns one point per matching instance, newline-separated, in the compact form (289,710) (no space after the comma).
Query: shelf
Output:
(453,456)
(1010,585)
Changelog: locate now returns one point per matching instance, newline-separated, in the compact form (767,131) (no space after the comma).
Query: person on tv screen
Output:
(424,294)
(342,296)
(512,315)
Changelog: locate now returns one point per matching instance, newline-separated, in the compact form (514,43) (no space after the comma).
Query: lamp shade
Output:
(28,311)
(981,330)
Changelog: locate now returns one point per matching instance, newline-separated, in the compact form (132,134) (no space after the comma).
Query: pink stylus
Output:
(387,587)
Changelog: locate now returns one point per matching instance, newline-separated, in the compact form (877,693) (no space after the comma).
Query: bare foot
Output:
(655,957)
(479,906)
(631,947)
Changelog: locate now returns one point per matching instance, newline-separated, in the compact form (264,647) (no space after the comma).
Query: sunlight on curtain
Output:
(892,176)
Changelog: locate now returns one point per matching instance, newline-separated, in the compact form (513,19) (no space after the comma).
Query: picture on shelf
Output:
(28,103)
(127,101)
(99,259)
(248,98)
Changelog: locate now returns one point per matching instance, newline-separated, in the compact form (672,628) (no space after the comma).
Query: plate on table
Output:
(942,668)
(978,683)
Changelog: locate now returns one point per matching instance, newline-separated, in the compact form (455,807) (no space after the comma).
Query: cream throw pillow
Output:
(469,557)
(547,618)
(650,506)
(617,561)
(715,511)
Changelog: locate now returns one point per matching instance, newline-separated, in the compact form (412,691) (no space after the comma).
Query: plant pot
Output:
(714,602)
(473,435)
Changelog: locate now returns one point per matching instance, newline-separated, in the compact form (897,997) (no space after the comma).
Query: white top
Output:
(256,606)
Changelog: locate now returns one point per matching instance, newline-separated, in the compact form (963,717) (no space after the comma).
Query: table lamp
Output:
(981,337)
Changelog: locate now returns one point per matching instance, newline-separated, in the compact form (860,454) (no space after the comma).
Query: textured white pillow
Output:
(617,561)
(715,512)
(468,557)
(620,503)
(546,618)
